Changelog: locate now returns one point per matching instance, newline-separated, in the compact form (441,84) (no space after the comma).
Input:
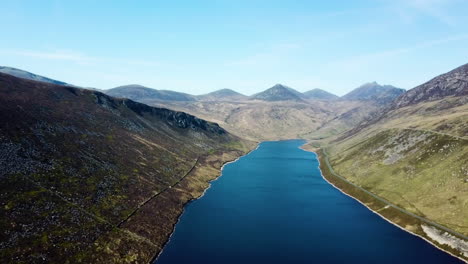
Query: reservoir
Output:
(273,206)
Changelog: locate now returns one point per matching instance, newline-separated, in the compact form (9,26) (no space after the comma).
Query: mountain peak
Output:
(224,94)
(278,92)
(320,94)
(375,92)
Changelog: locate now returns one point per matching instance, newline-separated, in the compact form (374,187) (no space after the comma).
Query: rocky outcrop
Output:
(453,83)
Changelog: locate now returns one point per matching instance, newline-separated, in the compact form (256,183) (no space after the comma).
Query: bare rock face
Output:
(453,83)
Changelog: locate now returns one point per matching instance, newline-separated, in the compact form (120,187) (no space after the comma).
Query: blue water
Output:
(273,206)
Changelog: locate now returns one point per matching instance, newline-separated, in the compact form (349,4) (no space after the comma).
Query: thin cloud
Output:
(437,9)
(79,58)
(367,59)
(55,55)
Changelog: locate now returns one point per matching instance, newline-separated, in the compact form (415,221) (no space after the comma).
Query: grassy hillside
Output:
(422,171)
(414,153)
(87,177)
(259,120)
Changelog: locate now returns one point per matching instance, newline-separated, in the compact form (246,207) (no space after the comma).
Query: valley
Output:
(128,167)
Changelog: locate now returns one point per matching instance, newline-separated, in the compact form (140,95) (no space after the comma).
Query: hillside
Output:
(30,76)
(453,83)
(222,95)
(374,91)
(140,93)
(86,177)
(319,94)
(414,154)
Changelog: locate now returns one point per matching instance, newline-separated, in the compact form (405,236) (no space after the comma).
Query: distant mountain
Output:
(320,95)
(222,95)
(453,83)
(30,76)
(374,91)
(142,93)
(278,92)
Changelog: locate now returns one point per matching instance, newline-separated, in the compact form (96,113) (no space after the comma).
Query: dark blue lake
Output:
(273,206)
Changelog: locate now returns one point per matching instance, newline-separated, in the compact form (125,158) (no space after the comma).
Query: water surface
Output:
(273,206)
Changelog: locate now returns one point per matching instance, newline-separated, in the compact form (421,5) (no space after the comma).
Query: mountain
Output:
(374,91)
(453,83)
(222,95)
(88,178)
(30,76)
(278,92)
(142,94)
(413,153)
(320,94)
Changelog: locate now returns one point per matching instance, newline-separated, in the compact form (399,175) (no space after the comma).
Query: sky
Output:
(201,46)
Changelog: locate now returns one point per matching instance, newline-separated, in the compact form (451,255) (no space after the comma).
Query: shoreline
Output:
(377,213)
(155,258)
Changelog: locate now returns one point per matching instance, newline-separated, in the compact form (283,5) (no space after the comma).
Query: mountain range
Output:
(279,92)
(89,176)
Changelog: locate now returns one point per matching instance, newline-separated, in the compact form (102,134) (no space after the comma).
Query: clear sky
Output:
(200,46)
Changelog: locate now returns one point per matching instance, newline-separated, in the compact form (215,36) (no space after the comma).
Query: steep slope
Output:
(141,94)
(222,95)
(453,83)
(414,154)
(30,76)
(351,116)
(374,91)
(320,94)
(278,92)
(85,177)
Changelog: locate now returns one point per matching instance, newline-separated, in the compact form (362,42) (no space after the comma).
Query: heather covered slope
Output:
(87,177)
(28,75)
(415,154)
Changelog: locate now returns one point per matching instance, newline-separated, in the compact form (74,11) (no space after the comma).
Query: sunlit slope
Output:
(415,153)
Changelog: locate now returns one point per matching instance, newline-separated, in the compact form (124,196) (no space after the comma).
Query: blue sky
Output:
(248,46)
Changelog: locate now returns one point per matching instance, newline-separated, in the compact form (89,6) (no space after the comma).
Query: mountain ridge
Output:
(374,91)
(141,93)
(278,92)
(320,94)
(222,94)
(30,76)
